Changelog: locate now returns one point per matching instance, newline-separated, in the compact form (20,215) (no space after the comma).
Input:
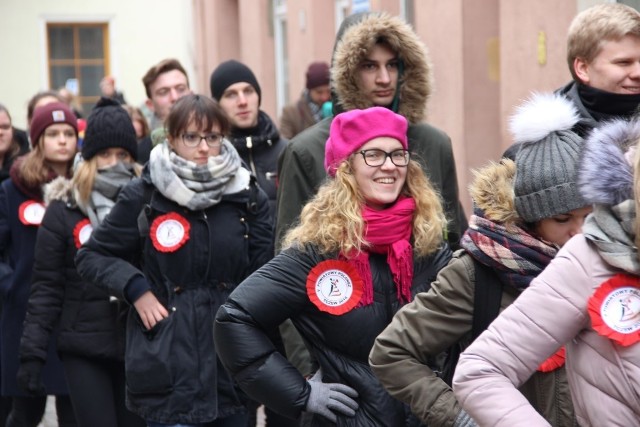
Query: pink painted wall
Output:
(521,24)
(485,56)
(311,34)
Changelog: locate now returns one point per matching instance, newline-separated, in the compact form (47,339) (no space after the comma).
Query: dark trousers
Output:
(273,419)
(97,390)
(28,411)
(237,420)
(5,408)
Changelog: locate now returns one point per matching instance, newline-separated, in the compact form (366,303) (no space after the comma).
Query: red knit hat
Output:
(50,114)
(317,74)
(351,130)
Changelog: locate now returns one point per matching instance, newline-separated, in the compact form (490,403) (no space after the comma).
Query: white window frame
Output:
(280,49)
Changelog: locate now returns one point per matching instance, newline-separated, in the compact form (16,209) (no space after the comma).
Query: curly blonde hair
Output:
(333,222)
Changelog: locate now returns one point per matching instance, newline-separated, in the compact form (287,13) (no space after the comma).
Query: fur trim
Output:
(540,115)
(60,188)
(416,81)
(606,174)
(492,191)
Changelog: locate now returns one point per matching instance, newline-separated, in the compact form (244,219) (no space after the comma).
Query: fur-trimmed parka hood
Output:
(605,173)
(357,36)
(61,189)
(492,192)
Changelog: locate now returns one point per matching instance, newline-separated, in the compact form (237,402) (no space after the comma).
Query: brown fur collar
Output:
(492,192)
(357,40)
(58,189)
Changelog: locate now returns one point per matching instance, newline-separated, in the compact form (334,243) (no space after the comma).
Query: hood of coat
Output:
(492,192)
(605,172)
(60,188)
(357,36)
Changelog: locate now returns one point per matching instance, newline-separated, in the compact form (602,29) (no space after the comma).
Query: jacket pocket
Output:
(147,356)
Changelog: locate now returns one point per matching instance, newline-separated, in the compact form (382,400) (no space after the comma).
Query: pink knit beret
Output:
(352,129)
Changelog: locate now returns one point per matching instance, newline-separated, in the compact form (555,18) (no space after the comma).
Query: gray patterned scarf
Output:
(316,110)
(611,229)
(195,186)
(106,187)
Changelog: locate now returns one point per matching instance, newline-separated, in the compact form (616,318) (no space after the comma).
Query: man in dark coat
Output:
(253,133)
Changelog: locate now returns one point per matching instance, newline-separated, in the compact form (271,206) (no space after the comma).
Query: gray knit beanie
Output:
(547,162)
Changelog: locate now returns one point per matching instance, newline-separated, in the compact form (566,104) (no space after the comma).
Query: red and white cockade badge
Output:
(169,232)
(81,232)
(556,361)
(31,212)
(334,286)
(614,309)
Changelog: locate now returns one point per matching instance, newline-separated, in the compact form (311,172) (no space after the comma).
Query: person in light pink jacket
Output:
(587,299)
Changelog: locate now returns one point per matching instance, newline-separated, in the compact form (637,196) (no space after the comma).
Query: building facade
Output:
(488,55)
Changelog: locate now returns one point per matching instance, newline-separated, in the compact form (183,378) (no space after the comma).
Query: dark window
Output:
(78,51)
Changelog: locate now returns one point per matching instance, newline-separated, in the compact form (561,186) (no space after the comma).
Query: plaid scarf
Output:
(516,255)
(195,186)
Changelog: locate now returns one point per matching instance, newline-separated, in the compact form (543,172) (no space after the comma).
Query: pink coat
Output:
(604,377)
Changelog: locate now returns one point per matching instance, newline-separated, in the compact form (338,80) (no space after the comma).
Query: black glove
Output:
(29,377)
(327,399)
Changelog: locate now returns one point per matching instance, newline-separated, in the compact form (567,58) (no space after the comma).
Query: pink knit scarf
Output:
(388,231)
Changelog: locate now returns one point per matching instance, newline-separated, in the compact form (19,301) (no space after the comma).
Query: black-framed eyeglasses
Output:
(192,139)
(376,157)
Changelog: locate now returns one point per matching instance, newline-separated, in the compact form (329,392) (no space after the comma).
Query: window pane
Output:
(61,42)
(91,46)
(90,76)
(60,74)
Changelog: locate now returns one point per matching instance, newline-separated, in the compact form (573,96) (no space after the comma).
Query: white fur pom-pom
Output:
(540,115)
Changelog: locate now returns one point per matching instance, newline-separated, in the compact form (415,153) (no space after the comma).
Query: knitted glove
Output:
(327,399)
(29,377)
(464,420)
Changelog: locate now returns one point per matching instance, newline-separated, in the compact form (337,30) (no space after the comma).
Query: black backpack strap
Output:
(487,298)
(486,307)
(252,203)
(143,215)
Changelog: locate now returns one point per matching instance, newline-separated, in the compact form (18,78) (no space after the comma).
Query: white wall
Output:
(137,41)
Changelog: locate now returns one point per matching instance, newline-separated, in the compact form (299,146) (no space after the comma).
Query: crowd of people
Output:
(182,269)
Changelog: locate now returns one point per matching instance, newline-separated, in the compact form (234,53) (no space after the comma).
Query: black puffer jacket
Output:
(90,323)
(259,147)
(172,372)
(340,343)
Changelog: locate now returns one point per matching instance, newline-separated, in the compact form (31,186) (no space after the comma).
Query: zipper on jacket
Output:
(249,148)
(206,224)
